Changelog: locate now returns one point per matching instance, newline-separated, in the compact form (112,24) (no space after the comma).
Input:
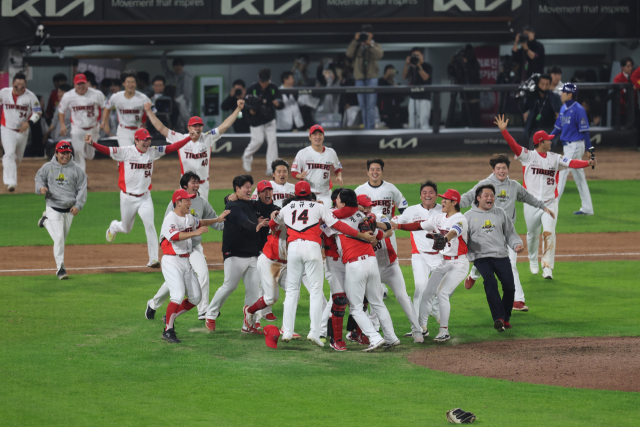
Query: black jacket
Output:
(530,66)
(261,102)
(239,237)
(262,210)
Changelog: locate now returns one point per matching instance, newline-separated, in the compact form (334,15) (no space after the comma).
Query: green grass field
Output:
(80,353)
(21,212)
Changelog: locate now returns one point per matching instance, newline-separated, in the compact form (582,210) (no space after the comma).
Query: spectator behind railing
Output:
(115,87)
(349,107)
(418,73)
(53,132)
(306,103)
(389,103)
(556,79)
(289,118)
(624,76)
(238,91)
(183,81)
(509,105)
(326,77)
(52,104)
(464,69)
(529,54)
(542,107)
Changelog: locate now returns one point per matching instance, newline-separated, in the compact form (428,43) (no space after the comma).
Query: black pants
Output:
(489,268)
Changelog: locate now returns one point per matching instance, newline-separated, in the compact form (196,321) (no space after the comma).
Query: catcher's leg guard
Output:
(338,308)
(330,327)
(352,325)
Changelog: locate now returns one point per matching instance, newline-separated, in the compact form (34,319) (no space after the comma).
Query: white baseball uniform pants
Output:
(362,279)
(143,206)
(513,258)
(125,136)
(423,266)
(575,150)
(81,150)
(391,276)
(58,225)
(181,279)
(304,256)
(203,191)
(334,273)
(199,265)
(14,144)
(236,268)
(258,135)
(538,220)
(272,276)
(443,281)
(419,113)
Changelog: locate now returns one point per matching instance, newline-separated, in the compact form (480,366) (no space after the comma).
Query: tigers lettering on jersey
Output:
(15,107)
(318,166)
(539,171)
(202,155)
(141,165)
(77,108)
(123,111)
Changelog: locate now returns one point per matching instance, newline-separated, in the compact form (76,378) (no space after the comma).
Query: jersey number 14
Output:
(304,217)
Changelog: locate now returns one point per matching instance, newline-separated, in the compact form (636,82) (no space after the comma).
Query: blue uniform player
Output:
(573,127)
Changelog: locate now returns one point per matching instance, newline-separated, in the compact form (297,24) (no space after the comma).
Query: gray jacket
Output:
(489,233)
(67,184)
(200,209)
(507,193)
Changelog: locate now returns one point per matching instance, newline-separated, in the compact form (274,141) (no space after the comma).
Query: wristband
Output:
(30,122)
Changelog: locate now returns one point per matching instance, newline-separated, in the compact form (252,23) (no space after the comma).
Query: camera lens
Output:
(414,60)
(238,92)
(363,37)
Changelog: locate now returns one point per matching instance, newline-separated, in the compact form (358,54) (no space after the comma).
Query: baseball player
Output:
(281,188)
(313,164)
(86,105)
(507,193)
(196,155)
(178,228)
(491,232)
(446,277)
(64,186)
(573,127)
(302,219)
(240,249)
(129,104)
(362,278)
(20,109)
(135,167)
(424,259)
(201,210)
(541,168)
(389,269)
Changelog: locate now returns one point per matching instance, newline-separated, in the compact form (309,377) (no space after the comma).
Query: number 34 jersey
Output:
(195,156)
(541,173)
(302,219)
(135,168)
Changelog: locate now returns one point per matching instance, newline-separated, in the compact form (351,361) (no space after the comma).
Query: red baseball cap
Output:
(182,194)
(63,146)
(451,195)
(142,134)
(303,188)
(315,128)
(195,120)
(364,201)
(262,185)
(540,136)
(79,78)
(271,335)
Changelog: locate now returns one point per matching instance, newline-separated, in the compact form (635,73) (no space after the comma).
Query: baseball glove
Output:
(458,416)
(439,241)
(368,224)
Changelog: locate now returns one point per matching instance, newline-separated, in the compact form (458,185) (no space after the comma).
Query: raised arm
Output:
(502,124)
(148,108)
(228,122)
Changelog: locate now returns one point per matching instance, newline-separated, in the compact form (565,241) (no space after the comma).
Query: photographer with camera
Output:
(289,118)
(542,107)
(364,54)
(262,100)
(238,91)
(509,105)
(464,69)
(418,73)
(529,54)
(391,113)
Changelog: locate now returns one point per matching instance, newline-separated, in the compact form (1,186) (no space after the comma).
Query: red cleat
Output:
(338,345)
(469,282)
(363,340)
(252,331)
(210,324)
(507,325)
(519,306)
(270,317)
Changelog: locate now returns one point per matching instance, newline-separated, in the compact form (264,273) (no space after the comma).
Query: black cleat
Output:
(62,274)
(170,336)
(42,220)
(150,313)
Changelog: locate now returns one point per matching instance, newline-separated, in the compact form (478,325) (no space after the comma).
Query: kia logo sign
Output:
(269,7)
(50,8)
(479,5)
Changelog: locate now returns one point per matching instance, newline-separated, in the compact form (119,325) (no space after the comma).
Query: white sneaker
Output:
(533,267)
(547,273)
(246,166)
(315,340)
(425,331)
(154,263)
(418,338)
(393,344)
(442,337)
(11,188)
(111,236)
(248,317)
(374,346)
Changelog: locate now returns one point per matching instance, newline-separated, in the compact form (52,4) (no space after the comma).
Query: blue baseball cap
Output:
(569,88)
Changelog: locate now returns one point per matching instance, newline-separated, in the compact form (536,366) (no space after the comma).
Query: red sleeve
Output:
(175,237)
(272,224)
(517,149)
(338,171)
(294,174)
(412,226)
(344,212)
(101,148)
(635,78)
(345,229)
(379,234)
(578,164)
(176,145)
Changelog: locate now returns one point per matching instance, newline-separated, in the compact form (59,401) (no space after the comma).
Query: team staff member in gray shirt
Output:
(491,232)
(201,209)
(508,192)
(64,186)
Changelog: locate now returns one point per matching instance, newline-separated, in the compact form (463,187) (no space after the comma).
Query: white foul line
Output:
(217,264)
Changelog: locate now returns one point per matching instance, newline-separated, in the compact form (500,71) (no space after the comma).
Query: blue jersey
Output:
(573,124)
